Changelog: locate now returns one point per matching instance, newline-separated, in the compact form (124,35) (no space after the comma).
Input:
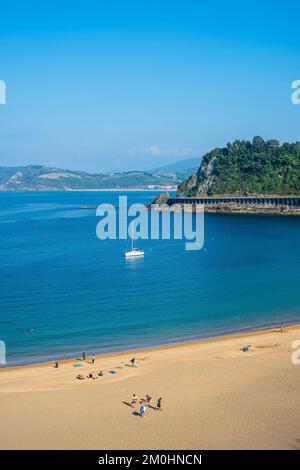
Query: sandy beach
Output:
(215,396)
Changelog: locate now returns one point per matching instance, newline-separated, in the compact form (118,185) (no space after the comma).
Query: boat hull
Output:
(134,254)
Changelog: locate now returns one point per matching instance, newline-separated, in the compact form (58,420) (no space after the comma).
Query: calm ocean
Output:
(63,291)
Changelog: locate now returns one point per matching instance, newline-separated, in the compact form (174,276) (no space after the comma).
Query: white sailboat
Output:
(134,252)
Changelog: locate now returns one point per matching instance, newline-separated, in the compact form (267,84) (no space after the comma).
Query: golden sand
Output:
(215,396)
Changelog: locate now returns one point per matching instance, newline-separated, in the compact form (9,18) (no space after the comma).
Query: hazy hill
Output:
(43,178)
(182,165)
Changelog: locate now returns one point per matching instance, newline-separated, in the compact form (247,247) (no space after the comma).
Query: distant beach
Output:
(123,189)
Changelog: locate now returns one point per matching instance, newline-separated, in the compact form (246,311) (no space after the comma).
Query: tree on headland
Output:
(247,168)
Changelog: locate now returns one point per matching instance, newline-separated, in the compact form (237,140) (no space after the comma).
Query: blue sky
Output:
(114,85)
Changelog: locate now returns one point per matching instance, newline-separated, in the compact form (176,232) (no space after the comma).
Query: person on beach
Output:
(148,399)
(134,400)
(142,410)
(132,362)
(83,356)
(93,359)
(282,328)
(159,403)
(247,348)
(56,365)
(100,373)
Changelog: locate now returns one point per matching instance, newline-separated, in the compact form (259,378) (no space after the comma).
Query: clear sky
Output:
(107,85)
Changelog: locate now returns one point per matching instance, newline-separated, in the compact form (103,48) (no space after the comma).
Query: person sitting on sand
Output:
(142,410)
(134,400)
(80,377)
(90,376)
(100,373)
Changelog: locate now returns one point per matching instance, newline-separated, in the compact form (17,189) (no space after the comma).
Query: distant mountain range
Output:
(44,178)
(182,165)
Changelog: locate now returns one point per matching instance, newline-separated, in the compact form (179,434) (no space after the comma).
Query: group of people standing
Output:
(145,402)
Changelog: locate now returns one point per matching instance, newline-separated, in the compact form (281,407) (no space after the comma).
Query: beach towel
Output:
(112,372)
(78,365)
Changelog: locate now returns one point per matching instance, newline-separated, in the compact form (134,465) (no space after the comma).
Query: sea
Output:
(64,291)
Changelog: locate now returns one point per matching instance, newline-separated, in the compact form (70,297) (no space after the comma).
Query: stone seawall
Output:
(281,205)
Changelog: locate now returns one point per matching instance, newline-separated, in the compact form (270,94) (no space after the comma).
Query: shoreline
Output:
(86,190)
(121,189)
(160,347)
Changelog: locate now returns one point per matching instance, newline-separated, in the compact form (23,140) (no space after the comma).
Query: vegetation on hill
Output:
(247,168)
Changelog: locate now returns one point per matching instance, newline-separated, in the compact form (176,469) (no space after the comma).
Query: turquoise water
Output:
(63,291)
